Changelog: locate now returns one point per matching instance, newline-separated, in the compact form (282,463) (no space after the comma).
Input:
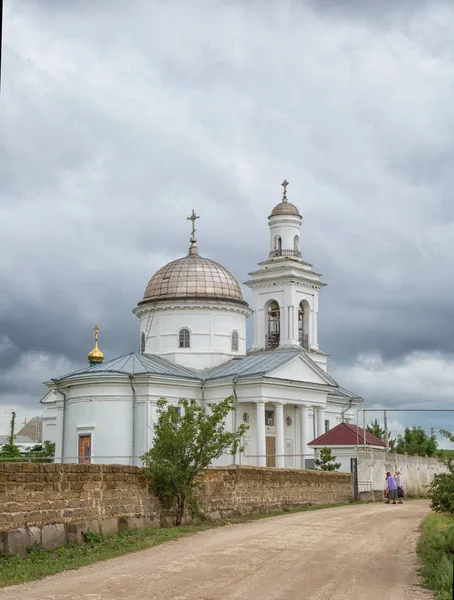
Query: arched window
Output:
(274,325)
(303,324)
(235,341)
(184,338)
(142,342)
(277,243)
(296,243)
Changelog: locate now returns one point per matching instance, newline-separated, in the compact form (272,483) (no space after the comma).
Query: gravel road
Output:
(356,552)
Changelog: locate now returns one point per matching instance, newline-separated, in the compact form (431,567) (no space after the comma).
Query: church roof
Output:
(136,364)
(346,434)
(255,363)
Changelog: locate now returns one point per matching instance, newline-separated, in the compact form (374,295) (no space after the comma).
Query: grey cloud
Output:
(117,119)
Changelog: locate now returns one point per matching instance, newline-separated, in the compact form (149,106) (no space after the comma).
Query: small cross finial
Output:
(96,328)
(193,247)
(284,185)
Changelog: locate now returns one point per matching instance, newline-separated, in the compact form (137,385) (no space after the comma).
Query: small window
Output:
(184,338)
(326,426)
(269,418)
(235,341)
(142,343)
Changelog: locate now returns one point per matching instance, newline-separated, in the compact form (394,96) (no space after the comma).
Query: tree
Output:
(42,452)
(416,441)
(185,443)
(376,429)
(10,450)
(441,490)
(326,461)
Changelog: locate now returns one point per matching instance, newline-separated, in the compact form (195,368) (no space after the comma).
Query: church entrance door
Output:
(84,449)
(270,451)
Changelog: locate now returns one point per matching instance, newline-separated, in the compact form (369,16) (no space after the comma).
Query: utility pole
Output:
(385,420)
(13,423)
(1,31)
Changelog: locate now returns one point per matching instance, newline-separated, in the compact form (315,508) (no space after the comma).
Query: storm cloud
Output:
(117,118)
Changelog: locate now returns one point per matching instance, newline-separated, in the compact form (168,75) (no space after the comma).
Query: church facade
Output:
(193,344)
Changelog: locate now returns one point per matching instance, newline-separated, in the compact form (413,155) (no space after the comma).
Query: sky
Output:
(117,118)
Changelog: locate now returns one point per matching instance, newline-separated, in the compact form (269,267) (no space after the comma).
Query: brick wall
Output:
(49,504)
(247,489)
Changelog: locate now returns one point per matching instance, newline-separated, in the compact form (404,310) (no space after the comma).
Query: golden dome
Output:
(96,356)
(193,278)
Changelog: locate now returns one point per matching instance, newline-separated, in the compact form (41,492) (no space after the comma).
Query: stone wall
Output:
(50,504)
(417,472)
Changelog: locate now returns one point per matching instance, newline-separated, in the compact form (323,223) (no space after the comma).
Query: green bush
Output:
(441,493)
(185,443)
(435,547)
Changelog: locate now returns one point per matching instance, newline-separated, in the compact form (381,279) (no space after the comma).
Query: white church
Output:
(193,344)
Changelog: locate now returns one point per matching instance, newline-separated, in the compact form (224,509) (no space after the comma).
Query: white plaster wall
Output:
(109,421)
(297,370)
(288,296)
(49,421)
(343,456)
(50,430)
(211,330)
(417,472)
(286,226)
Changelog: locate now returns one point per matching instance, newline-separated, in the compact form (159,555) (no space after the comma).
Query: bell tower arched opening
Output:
(273,324)
(303,324)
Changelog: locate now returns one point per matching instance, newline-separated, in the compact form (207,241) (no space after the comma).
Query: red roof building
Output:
(346,434)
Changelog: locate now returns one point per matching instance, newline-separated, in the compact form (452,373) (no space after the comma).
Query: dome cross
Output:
(192,218)
(284,184)
(193,248)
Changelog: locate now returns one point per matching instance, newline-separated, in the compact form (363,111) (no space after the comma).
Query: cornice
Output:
(181,304)
(122,379)
(262,283)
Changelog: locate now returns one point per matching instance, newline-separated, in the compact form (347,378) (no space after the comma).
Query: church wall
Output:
(49,421)
(286,228)
(210,335)
(109,421)
(51,504)
(293,393)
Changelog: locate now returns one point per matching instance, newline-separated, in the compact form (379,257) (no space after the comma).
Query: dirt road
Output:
(346,553)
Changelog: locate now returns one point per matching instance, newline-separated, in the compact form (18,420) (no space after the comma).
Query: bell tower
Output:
(285,288)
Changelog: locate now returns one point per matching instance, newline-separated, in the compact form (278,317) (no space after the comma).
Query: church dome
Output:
(193,278)
(285,208)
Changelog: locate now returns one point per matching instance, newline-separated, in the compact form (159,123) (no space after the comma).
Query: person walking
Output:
(392,488)
(400,486)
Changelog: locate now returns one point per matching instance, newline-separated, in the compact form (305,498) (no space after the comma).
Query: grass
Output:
(435,546)
(38,563)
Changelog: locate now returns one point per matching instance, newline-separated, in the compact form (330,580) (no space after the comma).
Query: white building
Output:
(193,344)
(344,440)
